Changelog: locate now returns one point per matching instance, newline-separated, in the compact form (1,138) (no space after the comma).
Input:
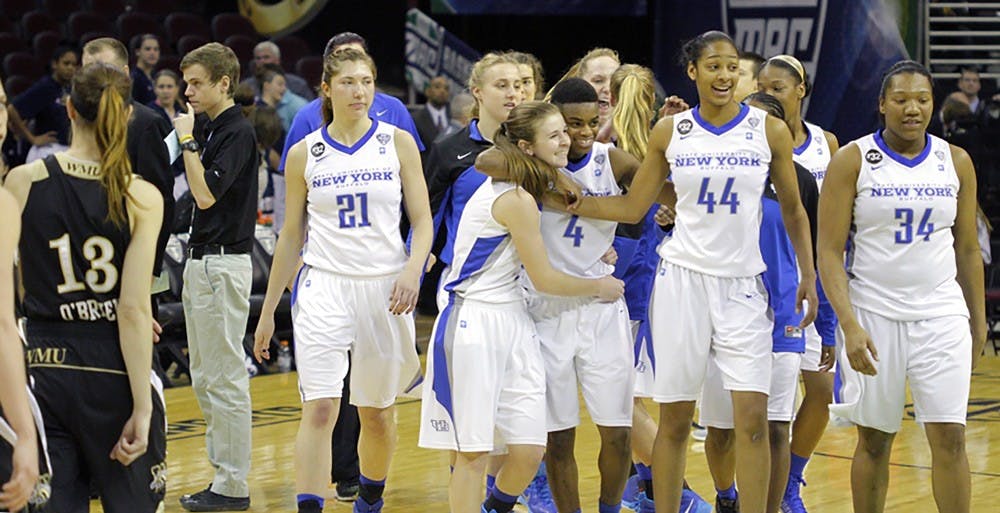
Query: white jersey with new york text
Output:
(814,153)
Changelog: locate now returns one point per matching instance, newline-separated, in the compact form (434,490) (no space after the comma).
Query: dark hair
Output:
(907,66)
(244,95)
(955,110)
(169,73)
(536,68)
(527,172)
(137,41)
(968,69)
(573,90)
(332,65)
(769,103)
(692,49)
(101,95)
(62,50)
(754,57)
(266,124)
(788,64)
(344,38)
(267,72)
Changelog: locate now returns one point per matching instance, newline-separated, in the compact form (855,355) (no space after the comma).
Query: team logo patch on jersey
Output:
(685,126)
(873,156)
(600,159)
(383,139)
(939,154)
(317,149)
(753,123)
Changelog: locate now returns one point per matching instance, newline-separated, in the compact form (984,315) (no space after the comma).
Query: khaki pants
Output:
(216,305)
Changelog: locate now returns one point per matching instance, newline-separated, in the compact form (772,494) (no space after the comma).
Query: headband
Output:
(793,62)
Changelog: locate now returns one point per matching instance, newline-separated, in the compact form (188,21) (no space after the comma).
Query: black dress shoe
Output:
(207,500)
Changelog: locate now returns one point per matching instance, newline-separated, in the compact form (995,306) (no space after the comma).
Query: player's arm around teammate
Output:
(13,397)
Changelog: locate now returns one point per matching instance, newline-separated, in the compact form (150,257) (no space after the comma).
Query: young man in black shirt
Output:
(220,161)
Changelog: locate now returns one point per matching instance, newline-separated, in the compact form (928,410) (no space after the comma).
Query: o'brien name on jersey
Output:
(353,177)
(90,310)
(913,192)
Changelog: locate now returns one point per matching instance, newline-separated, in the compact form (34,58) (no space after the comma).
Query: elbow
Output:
(203,202)
(134,313)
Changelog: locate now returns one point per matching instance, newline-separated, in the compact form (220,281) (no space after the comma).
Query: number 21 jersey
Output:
(719,174)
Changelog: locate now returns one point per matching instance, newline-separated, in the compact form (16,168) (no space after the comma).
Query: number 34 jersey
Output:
(353,204)
(719,174)
(901,262)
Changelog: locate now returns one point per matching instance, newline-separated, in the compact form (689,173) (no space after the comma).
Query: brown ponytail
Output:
(530,173)
(633,88)
(101,95)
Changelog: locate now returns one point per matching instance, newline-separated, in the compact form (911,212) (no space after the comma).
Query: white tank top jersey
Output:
(353,204)
(576,244)
(901,263)
(814,154)
(486,264)
(719,175)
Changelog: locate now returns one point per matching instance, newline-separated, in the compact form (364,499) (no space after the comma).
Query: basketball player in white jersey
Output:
(707,300)
(912,289)
(784,77)
(485,367)
(358,286)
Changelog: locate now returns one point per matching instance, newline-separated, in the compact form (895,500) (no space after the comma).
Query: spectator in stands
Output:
(433,119)
(461,114)
(275,94)
(267,127)
(45,102)
(968,88)
(168,86)
(147,55)
(266,52)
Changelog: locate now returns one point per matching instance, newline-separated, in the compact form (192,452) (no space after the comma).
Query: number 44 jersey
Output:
(353,203)
(901,262)
(719,174)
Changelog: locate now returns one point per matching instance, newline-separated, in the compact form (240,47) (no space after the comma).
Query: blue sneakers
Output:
(539,496)
(693,503)
(792,502)
(630,498)
(360,506)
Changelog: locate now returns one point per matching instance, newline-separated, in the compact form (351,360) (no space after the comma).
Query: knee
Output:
(719,440)
(778,432)
(874,443)
(377,421)
(473,461)
(751,421)
(320,413)
(529,455)
(618,439)
(675,429)
(948,442)
(560,444)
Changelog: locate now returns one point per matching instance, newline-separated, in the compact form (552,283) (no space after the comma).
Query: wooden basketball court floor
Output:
(418,478)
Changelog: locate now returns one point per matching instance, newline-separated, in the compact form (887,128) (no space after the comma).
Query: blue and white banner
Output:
(542,7)
(845,45)
(433,51)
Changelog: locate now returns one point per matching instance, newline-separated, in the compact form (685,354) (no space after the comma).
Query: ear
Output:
(800,90)
(881,106)
(225,81)
(70,109)
(477,93)
(525,146)
(324,87)
(692,71)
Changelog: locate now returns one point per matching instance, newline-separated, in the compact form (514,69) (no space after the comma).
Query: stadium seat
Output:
(24,64)
(10,42)
(131,24)
(292,48)
(180,24)
(229,24)
(189,42)
(90,36)
(16,85)
(60,7)
(15,9)
(157,8)
(310,69)
(171,62)
(108,8)
(39,21)
(44,43)
(242,46)
(81,22)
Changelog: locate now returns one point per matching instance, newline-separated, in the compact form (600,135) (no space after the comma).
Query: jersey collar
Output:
(914,162)
(719,130)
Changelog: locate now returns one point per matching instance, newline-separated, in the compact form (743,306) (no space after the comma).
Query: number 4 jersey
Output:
(71,254)
(902,261)
(719,174)
(353,203)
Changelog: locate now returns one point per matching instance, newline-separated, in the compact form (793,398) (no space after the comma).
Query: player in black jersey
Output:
(87,249)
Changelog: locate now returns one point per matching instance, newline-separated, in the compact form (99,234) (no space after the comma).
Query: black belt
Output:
(196,252)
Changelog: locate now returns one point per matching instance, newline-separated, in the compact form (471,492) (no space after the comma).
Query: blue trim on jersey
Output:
(826,318)
(480,252)
(442,374)
(914,162)
(454,202)
(295,286)
(644,338)
(719,130)
(636,266)
(576,166)
(781,279)
(802,148)
(474,133)
(354,147)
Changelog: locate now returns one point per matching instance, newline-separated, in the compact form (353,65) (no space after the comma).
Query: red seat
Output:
(171,62)
(243,48)
(24,64)
(156,8)
(60,7)
(180,24)
(16,85)
(229,24)
(81,22)
(44,43)
(293,48)
(39,21)
(131,24)
(109,8)
(189,42)
(8,26)
(15,9)
(9,42)
(90,36)
(310,69)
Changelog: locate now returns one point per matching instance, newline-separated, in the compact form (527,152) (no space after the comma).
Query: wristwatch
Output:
(190,145)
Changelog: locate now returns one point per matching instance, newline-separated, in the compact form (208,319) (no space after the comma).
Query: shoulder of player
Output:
(515,200)
(26,174)
(142,195)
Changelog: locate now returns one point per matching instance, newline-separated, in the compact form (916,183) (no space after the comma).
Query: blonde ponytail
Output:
(633,87)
